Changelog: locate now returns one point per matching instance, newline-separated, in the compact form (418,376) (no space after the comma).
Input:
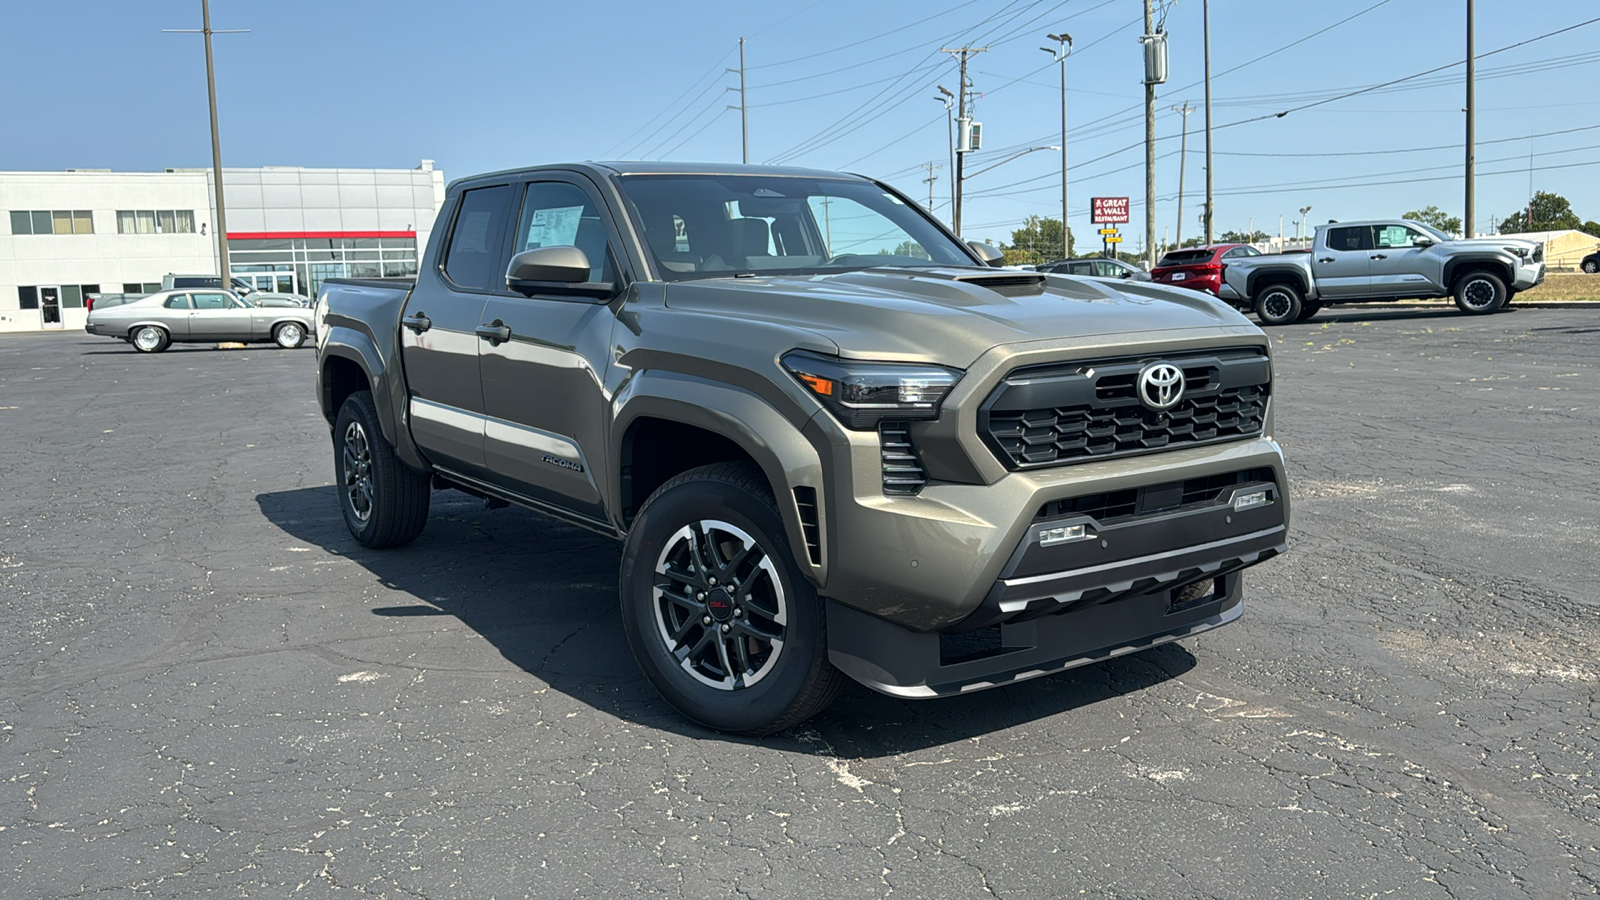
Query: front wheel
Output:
(1591,266)
(719,618)
(385,504)
(1278,304)
(1479,293)
(289,335)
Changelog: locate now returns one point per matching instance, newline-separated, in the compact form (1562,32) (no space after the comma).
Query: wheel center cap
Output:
(720,605)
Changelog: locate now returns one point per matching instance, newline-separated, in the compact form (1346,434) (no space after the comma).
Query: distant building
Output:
(67,234)
(1563,250)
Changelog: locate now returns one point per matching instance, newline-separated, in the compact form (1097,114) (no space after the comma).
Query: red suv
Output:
(1199,267)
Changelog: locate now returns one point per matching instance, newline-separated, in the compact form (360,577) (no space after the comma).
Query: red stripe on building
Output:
(282,235)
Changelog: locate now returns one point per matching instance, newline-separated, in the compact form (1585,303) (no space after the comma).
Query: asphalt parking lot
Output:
(206,687)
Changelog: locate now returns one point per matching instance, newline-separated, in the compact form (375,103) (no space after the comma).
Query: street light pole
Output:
(949,101)
(220,226)
(1062,50)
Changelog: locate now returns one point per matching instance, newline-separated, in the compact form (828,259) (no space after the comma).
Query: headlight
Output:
(861,394)
(1520,251)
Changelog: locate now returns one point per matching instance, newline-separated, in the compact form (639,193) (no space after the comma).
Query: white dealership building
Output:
(64,235)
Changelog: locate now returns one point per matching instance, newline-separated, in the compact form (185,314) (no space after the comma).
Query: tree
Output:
(1037,241)
(1239,237)
(1551,212)
(1591,228)
(1436,217)
(906,248)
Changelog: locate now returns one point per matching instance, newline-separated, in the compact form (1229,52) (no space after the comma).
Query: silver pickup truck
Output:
(1378,260)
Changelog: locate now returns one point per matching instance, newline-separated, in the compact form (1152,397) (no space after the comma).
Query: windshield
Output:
(711,226)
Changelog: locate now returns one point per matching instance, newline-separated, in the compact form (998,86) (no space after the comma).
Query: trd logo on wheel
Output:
(1161,385)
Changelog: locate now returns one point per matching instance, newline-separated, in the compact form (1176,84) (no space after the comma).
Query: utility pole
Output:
(1183,154)
(949,101)
(221,224)
(930,166)
(1205,24)
(744,113)
(1472,139)
(1062,50)
(1149,152)
(963,53)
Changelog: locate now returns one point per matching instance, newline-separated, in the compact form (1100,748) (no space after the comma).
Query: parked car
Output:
(1199,268)
(1099,267)
(1591,263)
(106,301)
(151,323)
(1382,260)
(170,281)
(881,458)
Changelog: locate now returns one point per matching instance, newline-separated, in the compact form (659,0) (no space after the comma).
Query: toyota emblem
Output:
(1160,385)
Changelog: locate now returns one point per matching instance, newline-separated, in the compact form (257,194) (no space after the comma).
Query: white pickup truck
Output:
(1378,260)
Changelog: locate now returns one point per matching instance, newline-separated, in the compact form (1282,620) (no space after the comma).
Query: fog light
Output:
(1048,536)
(1254,498)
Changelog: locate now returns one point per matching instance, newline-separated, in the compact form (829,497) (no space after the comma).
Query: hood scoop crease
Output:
(1006,284)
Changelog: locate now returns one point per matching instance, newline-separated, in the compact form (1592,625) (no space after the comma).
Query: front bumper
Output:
(1125,585)
(1528,276)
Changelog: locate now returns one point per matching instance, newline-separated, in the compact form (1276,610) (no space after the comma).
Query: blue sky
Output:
(487,84)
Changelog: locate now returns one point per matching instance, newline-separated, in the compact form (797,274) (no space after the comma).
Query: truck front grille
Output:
(1066,413)
(1172,496)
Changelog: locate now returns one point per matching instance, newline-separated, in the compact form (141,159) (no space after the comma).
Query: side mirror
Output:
(1422,242)
(989,255)
(554,270)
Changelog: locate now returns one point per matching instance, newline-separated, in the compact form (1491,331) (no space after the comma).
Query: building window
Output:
(155,221)
(48,221)
(134,287)
(27,297)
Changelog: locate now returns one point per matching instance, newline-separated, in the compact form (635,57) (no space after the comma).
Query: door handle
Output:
(418,322)
(1326,259)
(496,332)
(1379,256)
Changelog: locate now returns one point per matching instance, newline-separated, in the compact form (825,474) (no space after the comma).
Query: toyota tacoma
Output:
(833,439)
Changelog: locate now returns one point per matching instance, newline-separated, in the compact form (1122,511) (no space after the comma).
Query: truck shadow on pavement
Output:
(544,594)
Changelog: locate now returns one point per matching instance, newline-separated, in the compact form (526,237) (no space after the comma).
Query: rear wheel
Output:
(149,339)
(1591,266)
(1278,304)
(385,504)
(289,335)
(1479,293)
(719,617)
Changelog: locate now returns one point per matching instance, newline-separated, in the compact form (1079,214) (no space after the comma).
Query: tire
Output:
(289,335)
(385,504)
(1278,304)
(149,339)
(773,672)
(1479,293)
(1591,266)
(1308,310)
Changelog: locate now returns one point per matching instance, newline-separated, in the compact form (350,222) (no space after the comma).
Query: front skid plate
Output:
(902,663)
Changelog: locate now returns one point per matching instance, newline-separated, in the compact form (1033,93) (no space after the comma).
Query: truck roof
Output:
(605,168)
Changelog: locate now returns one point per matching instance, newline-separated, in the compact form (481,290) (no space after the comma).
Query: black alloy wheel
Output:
(717,613)
(385,503)
(1480,293)
(1278,304)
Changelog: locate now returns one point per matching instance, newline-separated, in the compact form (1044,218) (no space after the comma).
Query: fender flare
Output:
(350,344)
(1306,285)
(776,443)
(1499,265)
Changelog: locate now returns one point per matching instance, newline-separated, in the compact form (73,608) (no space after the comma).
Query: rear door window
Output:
(472,260)
(1350,238)
(177,301)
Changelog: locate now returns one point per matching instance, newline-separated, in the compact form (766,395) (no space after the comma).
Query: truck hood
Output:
(1490,243)
(949,314)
